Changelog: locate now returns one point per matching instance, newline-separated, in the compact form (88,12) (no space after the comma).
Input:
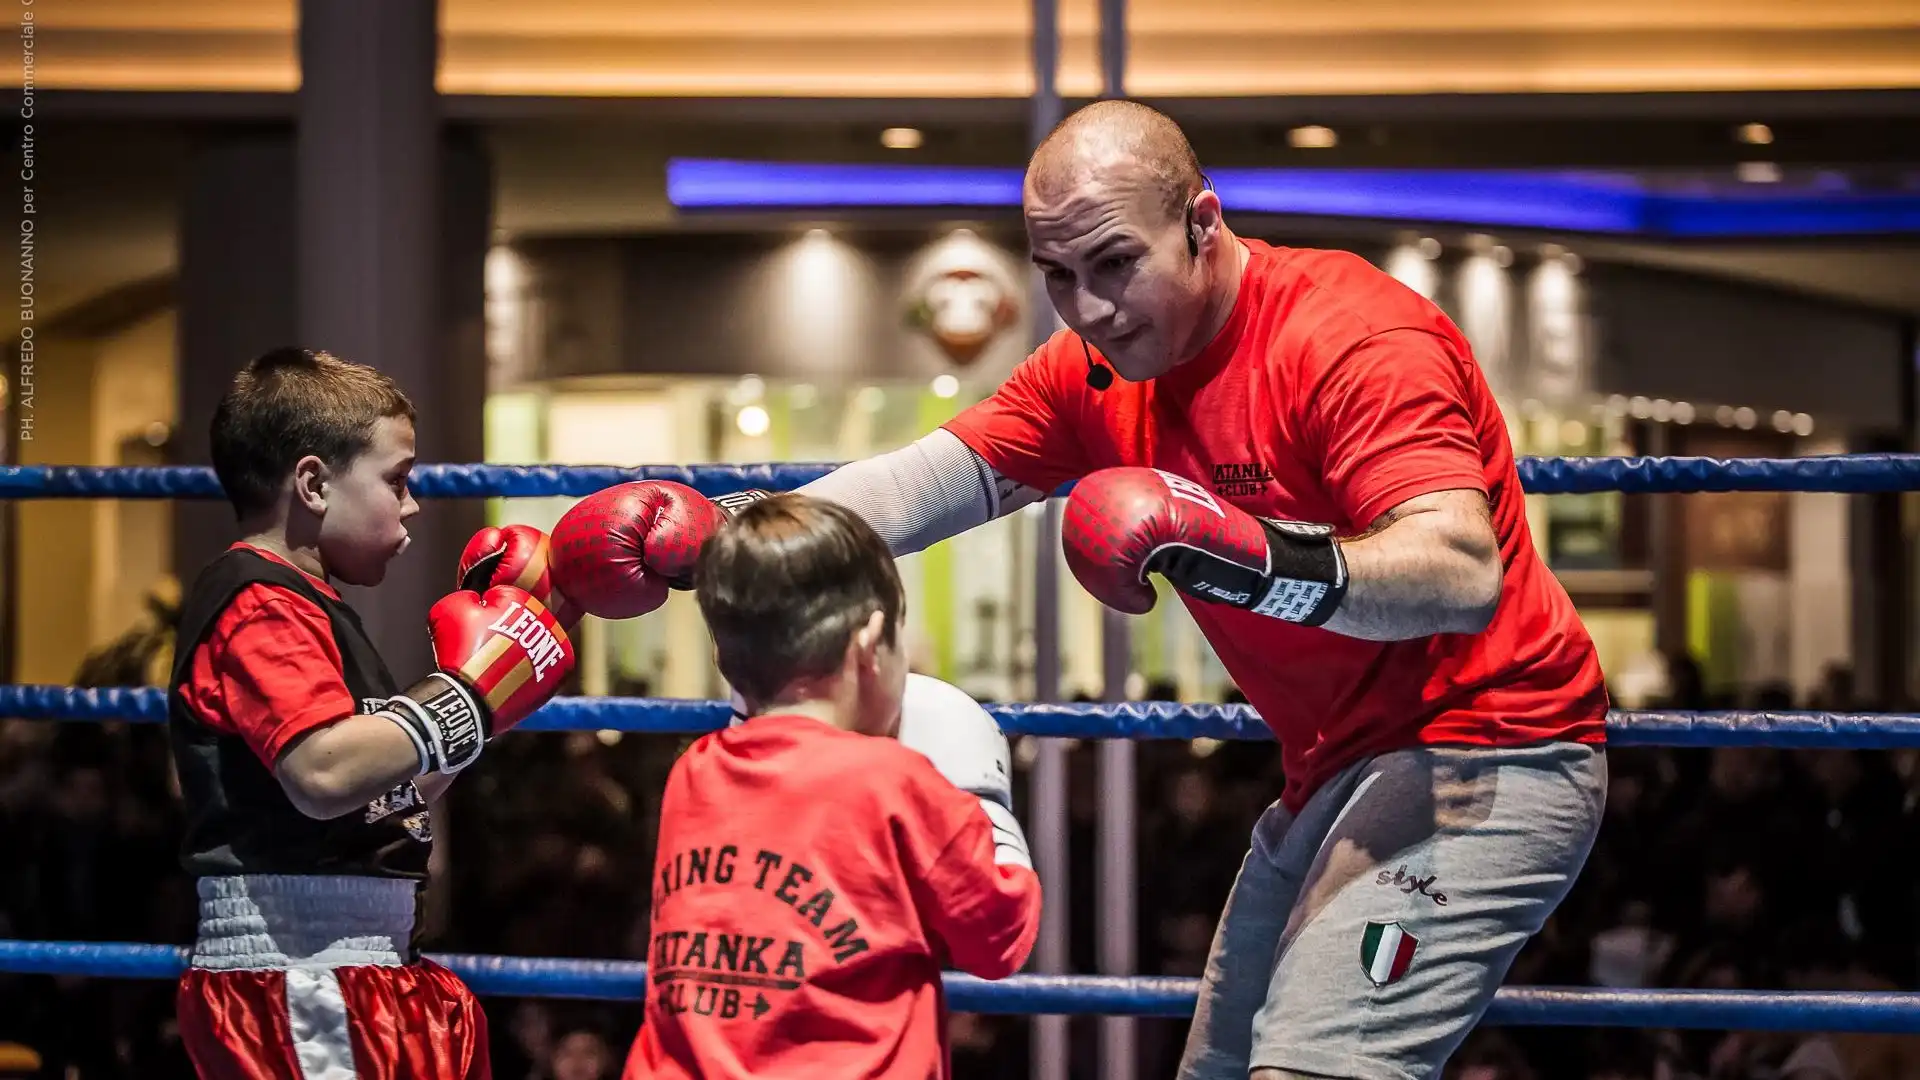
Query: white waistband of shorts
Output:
(286,921)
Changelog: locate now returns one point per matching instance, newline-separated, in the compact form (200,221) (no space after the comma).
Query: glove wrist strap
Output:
(1307,573)
(1009,840)
(1303,581)
(734,502)
(445,719)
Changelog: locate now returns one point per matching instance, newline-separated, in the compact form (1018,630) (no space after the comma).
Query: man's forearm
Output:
(1424,573)
(921,494)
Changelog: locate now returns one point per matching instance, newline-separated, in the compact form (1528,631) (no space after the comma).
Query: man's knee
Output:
(1289,1074)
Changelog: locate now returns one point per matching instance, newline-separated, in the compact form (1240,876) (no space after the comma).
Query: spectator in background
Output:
(523,1046)
(582,1054)
(1686,683)
(1619,1055)
(1489,1055)
(1733,905)
(1187,826)
(1852,801)
(1815,1059)
(1639,817)
(1773,697)
(987,1046)
(1836,692)
(1743,816)
(1631,953)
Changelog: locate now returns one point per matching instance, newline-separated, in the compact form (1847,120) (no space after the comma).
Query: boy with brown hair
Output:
(305,768)
(821,860)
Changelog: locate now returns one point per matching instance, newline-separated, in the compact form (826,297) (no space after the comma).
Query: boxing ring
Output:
(1057,995)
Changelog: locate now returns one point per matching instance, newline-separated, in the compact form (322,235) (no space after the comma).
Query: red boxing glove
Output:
(618,551)
(501,655)
(1122,524)
(514,555)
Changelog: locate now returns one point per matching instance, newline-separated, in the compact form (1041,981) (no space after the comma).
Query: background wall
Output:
(54,557)
(133,417)
(1669,335)
(809,305)
(1546,327)
(83,567)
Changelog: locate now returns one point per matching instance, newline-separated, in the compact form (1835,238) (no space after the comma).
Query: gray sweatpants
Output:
(1365,936)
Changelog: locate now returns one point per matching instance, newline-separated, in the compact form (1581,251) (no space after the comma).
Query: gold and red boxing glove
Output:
(500,655)
(519,555)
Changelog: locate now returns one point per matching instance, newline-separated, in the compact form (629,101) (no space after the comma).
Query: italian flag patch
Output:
(1386,951)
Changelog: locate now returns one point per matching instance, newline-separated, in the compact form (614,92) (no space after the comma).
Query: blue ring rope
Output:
(1131,720)
(1091,995)
(1847,473)
(1028,994)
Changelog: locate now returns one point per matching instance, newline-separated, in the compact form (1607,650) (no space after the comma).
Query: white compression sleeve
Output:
(919,495)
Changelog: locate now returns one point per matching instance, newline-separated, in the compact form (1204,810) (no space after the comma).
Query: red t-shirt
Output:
(809,885)
(269,671)
(1332,394)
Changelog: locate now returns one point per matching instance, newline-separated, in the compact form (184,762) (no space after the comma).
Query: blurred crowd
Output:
(1724,868)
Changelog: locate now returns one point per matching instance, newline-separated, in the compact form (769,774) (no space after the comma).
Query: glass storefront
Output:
(964,621)
(1585,539)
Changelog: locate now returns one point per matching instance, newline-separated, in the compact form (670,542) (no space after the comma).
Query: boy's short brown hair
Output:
(785,585)
(287,404)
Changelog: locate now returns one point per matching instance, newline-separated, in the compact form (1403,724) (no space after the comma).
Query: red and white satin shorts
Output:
(305,978)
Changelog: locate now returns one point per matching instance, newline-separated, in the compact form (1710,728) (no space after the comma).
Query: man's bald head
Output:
(1136,256)
(1117,142)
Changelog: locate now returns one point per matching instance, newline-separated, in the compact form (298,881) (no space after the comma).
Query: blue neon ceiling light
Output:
(1588,203)
(1693,216)
(738,185)
(1484,198)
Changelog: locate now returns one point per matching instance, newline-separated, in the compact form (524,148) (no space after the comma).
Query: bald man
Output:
(1307,453)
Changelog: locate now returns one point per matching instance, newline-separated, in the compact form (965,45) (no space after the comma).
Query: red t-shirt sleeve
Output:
(983,915)
(1025,431)
(1392,421)
(272,671)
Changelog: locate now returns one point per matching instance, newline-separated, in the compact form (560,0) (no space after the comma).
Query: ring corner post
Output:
(1048,805)
(1118,889)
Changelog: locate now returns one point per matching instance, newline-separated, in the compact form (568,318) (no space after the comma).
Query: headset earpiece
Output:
(1193,231)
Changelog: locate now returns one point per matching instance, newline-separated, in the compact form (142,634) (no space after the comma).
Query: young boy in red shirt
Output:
(306,770)
(814,872)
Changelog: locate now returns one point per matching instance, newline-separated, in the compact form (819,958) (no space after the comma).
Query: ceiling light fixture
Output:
(1313,137)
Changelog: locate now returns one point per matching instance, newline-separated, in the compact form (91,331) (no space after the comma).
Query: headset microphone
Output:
(1099,376)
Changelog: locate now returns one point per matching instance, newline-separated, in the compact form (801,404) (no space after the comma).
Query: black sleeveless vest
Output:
(239,820)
